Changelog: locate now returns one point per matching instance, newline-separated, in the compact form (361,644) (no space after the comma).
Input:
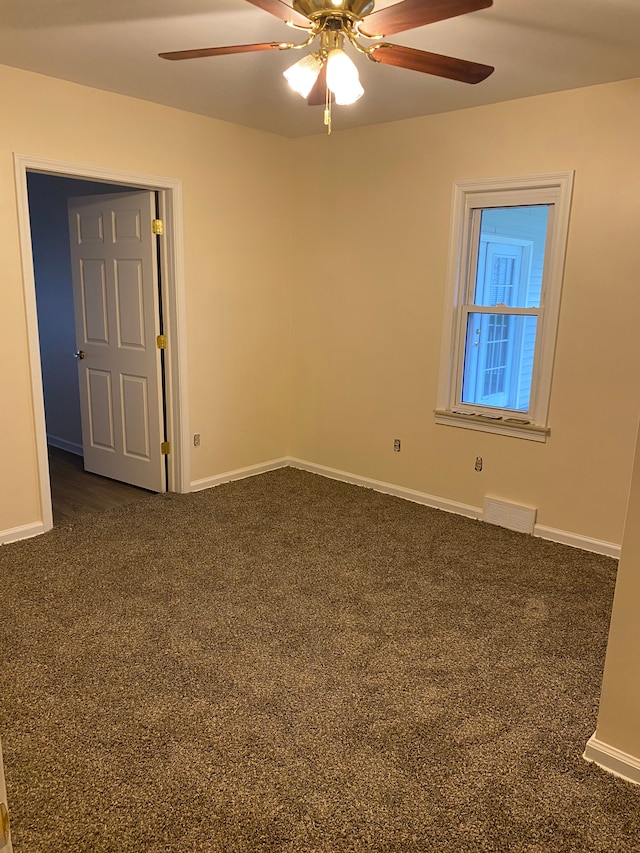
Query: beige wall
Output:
(365,281)
(236,189)
(368,304)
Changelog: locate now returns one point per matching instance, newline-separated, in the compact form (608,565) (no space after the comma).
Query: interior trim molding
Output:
(563,537)
(24,531)
(613,760)
(7,847)
(238,474)
(63,444)
(576,540)
(389,489)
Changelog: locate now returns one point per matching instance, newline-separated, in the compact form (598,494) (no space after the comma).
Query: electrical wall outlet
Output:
(396,445)
(196,439)
(478,465)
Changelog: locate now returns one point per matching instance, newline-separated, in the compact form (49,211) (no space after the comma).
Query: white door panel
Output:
(115,288)
(99,408)
(135,416)
(93,284)
(130,304)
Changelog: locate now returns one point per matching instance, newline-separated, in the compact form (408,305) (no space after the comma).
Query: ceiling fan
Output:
(328,73)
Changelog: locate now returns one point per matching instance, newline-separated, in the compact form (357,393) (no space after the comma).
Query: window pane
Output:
(498,360)
(511,256)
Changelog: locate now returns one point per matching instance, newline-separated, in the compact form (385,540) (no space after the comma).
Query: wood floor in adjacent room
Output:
(76,492)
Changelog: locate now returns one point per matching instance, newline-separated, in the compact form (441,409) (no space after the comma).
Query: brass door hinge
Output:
(165,448)
(157,226)
(161,340)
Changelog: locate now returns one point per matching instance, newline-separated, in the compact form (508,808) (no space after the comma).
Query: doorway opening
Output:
(43,188)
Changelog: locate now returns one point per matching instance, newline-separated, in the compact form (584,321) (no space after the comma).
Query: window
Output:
(503,300)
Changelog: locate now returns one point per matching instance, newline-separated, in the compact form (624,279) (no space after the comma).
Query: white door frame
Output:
(6,847)
(173,303)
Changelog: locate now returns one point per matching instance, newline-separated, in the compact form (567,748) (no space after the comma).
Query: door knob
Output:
(79,353)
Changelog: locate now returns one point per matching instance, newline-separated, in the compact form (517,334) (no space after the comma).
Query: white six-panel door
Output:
(115,291)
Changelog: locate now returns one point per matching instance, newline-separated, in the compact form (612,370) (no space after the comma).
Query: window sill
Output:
(501,426)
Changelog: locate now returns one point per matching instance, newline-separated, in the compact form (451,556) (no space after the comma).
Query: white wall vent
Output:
(514,516)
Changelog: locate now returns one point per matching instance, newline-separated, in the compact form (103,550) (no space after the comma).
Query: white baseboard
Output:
(63,444)
(563,537)
(576,540)
(389,489)
(613,760)
(25,531)
(238,474)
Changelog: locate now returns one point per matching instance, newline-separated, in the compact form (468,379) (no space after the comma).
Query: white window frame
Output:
(552,189)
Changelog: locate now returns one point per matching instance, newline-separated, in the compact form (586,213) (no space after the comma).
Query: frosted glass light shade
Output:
(343,78)
(303,74)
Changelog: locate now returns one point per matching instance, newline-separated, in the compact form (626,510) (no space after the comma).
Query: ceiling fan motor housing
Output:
(314,9)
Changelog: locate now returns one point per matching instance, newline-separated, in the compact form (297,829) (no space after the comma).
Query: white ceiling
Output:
(536,46)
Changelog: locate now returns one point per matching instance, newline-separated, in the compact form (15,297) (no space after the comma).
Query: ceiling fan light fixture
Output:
(328,75)
(303,74)
(343,78)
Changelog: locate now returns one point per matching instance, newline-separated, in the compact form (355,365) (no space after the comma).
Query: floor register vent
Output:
(504,514)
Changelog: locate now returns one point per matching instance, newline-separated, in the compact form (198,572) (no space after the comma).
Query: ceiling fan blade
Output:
(318,95)
(410,14)
(283,11)
(220,51)
(431,63)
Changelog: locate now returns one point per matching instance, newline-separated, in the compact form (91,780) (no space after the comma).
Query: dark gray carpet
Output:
(288,663)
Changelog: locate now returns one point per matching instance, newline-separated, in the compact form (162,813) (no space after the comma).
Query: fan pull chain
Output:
(327,110)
